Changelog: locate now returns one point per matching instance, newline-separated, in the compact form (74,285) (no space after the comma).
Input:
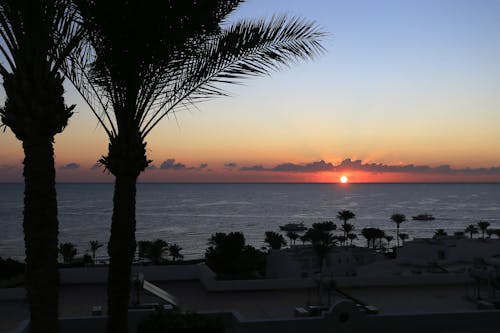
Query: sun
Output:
(344,179)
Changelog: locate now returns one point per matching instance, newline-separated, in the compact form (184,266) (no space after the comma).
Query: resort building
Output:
(300,261)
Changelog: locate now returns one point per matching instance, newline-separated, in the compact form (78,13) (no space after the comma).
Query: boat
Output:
(424,217)
(293,227)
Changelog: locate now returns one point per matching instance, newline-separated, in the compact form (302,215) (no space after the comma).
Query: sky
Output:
(407,91)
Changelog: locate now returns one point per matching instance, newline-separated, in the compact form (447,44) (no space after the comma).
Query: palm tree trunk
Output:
(397,234)
(121,249)
(40,234)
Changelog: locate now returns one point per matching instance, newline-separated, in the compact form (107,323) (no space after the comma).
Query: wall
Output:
(300,261)
(332,321)
(89,275)
(207,279)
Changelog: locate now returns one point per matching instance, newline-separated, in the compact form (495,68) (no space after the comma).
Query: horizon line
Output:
(291,183)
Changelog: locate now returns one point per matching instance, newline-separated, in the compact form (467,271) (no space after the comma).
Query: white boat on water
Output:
(293,227)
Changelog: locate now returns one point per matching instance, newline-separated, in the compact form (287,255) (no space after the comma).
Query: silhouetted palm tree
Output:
(156,251)
(371,235)
(36,37)
(398,219)
(275,240)
(379,234)
(324,226)
(68,252)
(490,232)
(304,239)
(471,229)
(347,228)
(389,238)
(322,242)
(368,235)
(175,252)
(440,233)
(345,215)
(94,246)
(496,232)
(152,59)
(483,225)
(292,236)
(143,248)
(403,237)
(352,237)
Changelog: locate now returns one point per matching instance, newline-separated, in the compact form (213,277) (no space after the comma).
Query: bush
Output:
(230,258)
(10,268)
(161,321)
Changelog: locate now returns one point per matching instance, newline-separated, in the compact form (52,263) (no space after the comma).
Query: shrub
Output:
(230,258)
(10,268)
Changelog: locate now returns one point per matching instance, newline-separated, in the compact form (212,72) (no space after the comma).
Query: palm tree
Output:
(147,61)
(398,219)
(352,237)
(304,239)
(94,246)
(471,229)
(379,234)
(153,60)
(175,252)
(439,233)
(322,243)
(389,238)
(274,240)
(490,232)
(292,236)
(143,248)
(403,237)
(68,251)
(367,233)
(36,36)
(324,226)
(347,228)
(156,251)
(341,239)
(345,215)
(496,232)
(483,225)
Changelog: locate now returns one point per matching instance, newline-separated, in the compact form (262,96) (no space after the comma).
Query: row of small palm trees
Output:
(276,240)
(157,250)
(152,250)
(134,62)
(472,229)
(69,251)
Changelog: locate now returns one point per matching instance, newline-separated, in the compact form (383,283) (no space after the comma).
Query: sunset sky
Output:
(407,91)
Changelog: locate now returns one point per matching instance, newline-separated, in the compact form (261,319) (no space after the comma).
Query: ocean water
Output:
(188,214)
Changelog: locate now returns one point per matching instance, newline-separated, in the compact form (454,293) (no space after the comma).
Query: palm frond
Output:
(246,49)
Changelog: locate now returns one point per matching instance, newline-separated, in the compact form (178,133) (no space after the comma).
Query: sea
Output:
(187,214)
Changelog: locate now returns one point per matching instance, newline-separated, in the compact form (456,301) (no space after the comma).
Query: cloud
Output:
(70,166)
(292,167)
(258,167)
(358,165)
(151,167)
(171,164)
(230,165)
